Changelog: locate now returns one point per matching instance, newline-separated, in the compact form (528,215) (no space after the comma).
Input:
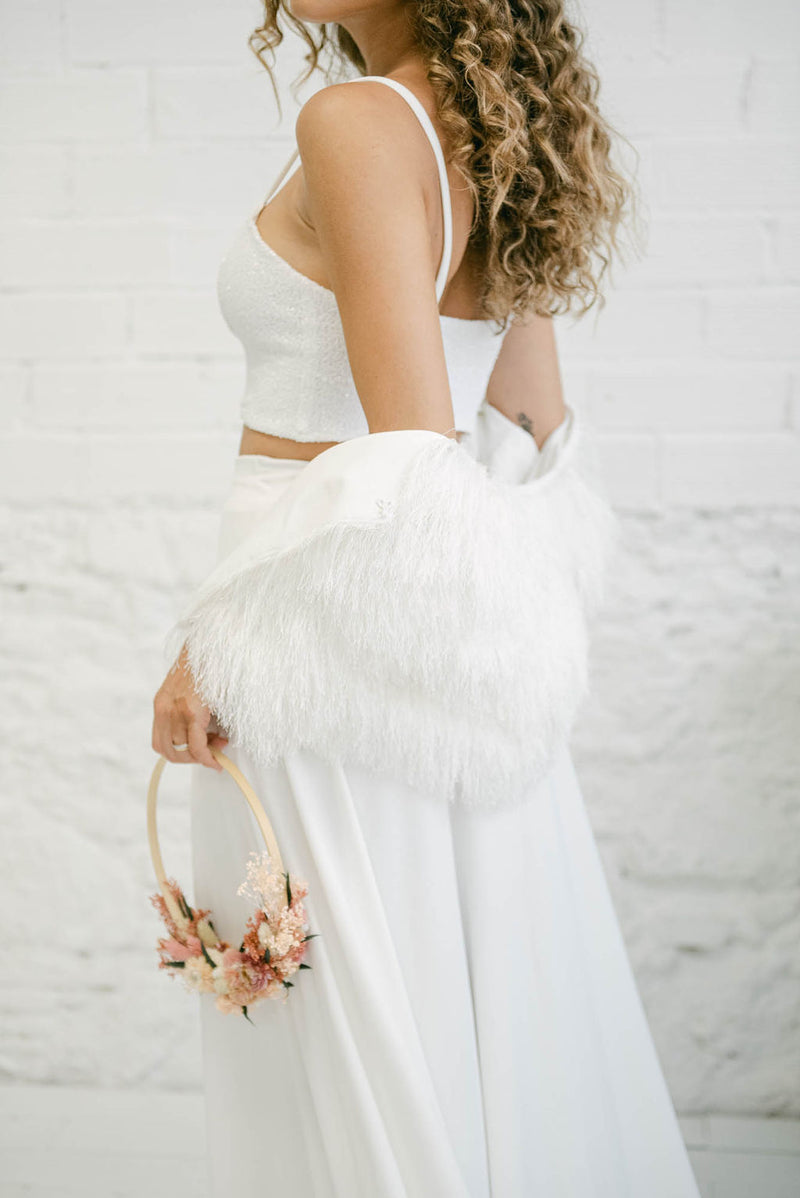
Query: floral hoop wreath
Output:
(275,939)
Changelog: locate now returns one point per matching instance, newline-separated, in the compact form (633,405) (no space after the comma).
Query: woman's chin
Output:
(320,12)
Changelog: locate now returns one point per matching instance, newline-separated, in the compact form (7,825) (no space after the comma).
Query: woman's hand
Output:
(181,718)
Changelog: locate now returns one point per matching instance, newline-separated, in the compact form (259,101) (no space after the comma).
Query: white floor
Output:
(62,1142)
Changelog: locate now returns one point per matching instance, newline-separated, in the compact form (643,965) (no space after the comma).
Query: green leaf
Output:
(247,1017)
(310,936)
(288,889)
(176,964)
(303,965)
(288,985)
(210,960)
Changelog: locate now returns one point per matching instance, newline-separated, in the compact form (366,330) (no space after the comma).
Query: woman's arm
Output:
(525,384)
(372,198)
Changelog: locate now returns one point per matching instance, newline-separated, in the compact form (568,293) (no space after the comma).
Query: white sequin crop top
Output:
(298,378)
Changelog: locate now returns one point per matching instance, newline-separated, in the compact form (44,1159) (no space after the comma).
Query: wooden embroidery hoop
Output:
(253,800)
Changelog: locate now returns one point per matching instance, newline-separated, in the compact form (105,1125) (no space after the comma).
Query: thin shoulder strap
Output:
(288,169)
(444,186)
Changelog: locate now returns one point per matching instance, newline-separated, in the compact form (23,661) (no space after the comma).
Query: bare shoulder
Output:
(331,103)
(358,125)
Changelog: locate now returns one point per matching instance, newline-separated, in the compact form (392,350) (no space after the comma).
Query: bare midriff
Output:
(280,447)
(253,441)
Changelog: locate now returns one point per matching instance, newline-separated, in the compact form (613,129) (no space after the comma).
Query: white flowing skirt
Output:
(470,1026)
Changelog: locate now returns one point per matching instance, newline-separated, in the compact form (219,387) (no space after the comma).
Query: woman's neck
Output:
(384,39)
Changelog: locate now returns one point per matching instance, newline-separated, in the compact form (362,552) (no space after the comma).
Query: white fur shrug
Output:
(414,605)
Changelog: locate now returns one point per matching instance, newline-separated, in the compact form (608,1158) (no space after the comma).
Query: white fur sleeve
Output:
(414,605)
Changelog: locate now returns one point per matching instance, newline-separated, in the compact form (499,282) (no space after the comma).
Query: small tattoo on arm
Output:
(525,422)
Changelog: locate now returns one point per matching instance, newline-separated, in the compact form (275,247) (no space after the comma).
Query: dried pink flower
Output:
(271,950)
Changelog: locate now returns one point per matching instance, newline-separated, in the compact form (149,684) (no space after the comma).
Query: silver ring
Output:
(180,748)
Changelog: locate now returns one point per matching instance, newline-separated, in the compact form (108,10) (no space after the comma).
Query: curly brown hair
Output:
(517,100)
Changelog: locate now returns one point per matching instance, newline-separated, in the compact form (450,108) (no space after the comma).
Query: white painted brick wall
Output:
(132,140)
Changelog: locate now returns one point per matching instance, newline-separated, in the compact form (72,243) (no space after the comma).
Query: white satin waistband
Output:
(257,476)
(257,483)
(249,465)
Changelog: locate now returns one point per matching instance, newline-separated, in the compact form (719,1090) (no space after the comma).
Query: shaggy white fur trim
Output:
(443,640)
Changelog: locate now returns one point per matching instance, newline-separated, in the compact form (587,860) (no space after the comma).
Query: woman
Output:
(392,645)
